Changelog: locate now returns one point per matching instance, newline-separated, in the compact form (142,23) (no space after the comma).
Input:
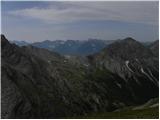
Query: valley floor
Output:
(148,113)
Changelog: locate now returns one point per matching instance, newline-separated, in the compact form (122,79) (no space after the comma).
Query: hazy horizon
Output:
(73,40)
(38,21)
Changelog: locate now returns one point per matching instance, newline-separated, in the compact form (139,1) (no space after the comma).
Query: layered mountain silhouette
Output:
(71,47)
(38,83)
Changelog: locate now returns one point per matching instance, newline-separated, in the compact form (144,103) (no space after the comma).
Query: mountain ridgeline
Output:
(70,47)
(38,83)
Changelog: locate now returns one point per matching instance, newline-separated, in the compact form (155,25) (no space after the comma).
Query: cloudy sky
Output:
(38,21)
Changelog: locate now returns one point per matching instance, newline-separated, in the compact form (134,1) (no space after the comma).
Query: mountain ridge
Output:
(74,47)
(38,83)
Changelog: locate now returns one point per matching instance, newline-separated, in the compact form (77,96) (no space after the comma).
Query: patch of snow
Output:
(148,76)
(153,77)
(152,74)
(127,62)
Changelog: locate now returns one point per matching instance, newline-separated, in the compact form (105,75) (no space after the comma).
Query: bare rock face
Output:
(37,83)
(136,64)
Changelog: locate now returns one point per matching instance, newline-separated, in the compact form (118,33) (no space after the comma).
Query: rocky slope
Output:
(136,64)
(37,83)
(155,47)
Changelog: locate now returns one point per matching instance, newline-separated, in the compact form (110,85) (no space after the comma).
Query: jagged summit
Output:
(129,39)
(4,41)
(2,36)
(127,48)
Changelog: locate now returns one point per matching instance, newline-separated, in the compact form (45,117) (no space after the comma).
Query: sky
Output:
(34,21)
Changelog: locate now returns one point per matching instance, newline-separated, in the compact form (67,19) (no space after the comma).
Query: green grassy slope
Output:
(149,113)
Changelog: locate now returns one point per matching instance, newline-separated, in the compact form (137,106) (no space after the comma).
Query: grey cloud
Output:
(66,12)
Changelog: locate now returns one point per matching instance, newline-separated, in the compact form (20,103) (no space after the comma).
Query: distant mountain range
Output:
(38,83)
(70,47)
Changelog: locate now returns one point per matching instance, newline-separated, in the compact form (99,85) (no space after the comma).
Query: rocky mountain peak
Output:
(129,39)
(2,36)
(127,48)
(4,41)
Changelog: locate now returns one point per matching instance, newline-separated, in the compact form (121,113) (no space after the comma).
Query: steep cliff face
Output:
(37,83)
